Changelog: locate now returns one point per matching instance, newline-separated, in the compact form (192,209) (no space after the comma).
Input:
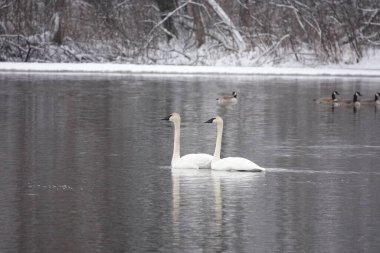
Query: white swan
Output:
(190,161)
(229,163)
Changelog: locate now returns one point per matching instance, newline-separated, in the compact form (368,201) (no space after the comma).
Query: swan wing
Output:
(236,164)
(203,161)
(184,164)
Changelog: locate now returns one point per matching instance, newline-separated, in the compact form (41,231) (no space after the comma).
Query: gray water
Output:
(85,165)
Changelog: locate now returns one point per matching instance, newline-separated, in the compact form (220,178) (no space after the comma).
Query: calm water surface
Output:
(85,165)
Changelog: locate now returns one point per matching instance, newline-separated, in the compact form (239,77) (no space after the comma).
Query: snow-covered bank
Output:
(170,69)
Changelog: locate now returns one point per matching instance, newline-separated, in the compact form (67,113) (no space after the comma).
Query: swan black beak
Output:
(210,120)
(167,118)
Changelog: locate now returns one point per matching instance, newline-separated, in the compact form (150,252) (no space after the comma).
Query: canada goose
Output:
(228,100)
(375,101)
(354,102)
(329,101)
(229,163)
(190,161)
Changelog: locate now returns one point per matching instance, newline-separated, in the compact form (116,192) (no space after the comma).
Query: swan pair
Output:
(205,161)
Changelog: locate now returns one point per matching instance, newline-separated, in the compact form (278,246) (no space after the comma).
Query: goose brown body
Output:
(329,101)
(375,101)
(228,100)
(354,102)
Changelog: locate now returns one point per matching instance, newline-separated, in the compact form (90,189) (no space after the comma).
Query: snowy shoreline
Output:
(193,70)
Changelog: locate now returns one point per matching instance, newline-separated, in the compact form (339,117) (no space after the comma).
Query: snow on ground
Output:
(371,69)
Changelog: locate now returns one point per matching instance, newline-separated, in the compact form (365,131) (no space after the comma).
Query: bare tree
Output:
(165,7)
(226,19)
(149,31)
(195,11)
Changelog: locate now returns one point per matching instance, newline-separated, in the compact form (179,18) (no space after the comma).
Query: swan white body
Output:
(190,161)
(229,163)
(235,164)
(193,161)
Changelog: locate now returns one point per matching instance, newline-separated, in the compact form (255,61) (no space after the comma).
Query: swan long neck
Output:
(218,145)
(176,146)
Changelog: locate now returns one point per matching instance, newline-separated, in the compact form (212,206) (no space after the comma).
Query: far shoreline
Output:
(118,68)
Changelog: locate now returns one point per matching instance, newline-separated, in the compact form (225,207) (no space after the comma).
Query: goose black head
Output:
(234,94)
(356,96)
(377,95)
(333,95)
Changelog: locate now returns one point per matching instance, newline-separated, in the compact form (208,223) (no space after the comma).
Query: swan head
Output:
(216,120)
(173,117)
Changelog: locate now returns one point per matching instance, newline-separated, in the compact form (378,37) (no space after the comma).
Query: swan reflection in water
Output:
(198,208)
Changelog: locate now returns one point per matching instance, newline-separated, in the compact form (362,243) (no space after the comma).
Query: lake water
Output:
(85,165)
